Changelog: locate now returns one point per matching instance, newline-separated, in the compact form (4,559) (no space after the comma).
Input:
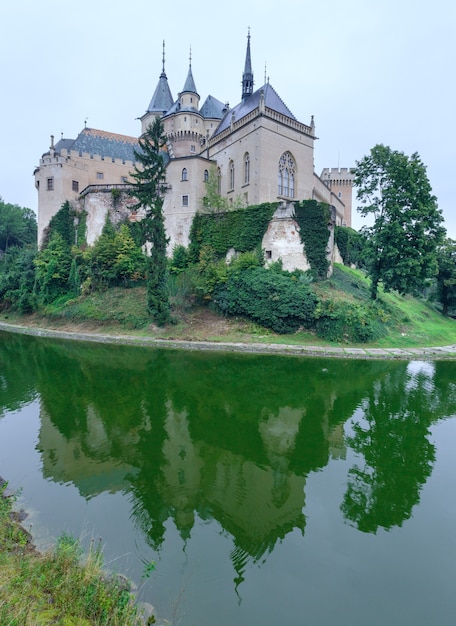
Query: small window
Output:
(206,176)
(124,179)
(100,175)
(50,184)
(184,200)
(268,255)
(184,174)
(192,148)
(75,185)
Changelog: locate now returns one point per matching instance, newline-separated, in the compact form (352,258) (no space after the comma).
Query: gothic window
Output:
(231,175)
(219,181)
(246,168)
(184,174)
(206,176)
(286,176)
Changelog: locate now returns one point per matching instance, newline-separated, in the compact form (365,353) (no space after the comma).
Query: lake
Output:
(266,490)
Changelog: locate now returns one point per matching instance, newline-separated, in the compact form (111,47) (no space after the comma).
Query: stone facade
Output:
(259,150)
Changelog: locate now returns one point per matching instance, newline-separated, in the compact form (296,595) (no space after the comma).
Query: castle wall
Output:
(282,241)
(184,198)
(71,172)
(265,140)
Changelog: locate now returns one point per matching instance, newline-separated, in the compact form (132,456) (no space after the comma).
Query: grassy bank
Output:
(409,322)
(57,587)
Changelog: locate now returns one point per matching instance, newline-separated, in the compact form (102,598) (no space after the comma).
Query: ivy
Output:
(69,224)
(313,218)
(241,229)
(351,245)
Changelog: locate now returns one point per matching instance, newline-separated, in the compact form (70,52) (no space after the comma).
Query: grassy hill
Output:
(409,321)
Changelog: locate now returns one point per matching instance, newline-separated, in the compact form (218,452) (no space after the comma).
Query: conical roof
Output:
(162,99)
(190,86)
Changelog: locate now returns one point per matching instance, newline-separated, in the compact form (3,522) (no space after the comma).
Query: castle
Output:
(258,149)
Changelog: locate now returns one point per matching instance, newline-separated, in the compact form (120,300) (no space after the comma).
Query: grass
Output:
(57,587)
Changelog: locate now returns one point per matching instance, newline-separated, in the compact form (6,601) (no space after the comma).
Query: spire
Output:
(247,77)
(162,99)
(190,86)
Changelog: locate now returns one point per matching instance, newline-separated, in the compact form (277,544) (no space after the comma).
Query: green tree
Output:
(53,265)
(114,258)
(446,277)
(17,226)
(149,190)
(17,278)
(407,230)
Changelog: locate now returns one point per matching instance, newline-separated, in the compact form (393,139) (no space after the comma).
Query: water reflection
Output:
(229,438)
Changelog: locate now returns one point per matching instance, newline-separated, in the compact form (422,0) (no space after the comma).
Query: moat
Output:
(266,489)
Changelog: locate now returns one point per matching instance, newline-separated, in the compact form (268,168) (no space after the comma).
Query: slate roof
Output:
(101,142)
(213,108)
(190,83)
(271,100)
(162,99)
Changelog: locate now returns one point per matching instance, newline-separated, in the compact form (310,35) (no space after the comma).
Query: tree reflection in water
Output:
(230,438)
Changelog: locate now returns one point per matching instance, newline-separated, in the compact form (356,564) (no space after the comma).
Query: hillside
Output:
(409,322)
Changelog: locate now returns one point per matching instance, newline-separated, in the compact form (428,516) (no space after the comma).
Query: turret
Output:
(189,97)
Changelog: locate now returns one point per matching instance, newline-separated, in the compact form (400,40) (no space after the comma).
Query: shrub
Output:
(350,322)
(179,260)
(268,298)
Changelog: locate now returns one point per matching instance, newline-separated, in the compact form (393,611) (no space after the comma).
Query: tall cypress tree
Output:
(149,190)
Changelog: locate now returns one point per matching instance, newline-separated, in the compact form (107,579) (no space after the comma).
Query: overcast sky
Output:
(370,72)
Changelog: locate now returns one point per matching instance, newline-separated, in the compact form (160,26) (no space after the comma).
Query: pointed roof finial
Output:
(163,59)
(247,77)
(265,72)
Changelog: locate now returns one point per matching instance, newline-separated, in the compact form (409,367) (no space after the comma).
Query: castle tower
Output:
(247,76)
(340,183)
(161,101)
(183,123)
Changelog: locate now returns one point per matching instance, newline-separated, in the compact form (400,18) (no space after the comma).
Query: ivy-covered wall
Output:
(314,219)
(242,229)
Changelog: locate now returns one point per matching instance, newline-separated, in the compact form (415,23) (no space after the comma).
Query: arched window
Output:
(206,176)
(184,174)
(286,176)
(231,175)
(246,168)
